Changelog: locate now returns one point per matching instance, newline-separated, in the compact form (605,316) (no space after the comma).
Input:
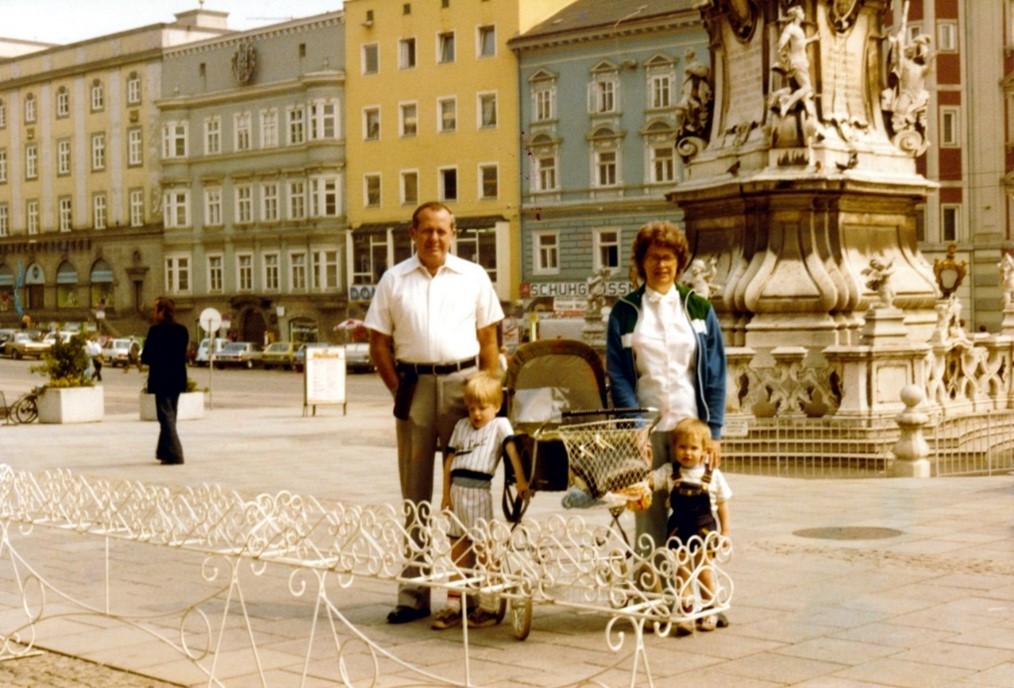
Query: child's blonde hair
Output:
(693,428)
(484,388)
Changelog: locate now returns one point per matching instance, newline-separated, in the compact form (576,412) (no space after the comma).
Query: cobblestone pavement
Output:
(52,670)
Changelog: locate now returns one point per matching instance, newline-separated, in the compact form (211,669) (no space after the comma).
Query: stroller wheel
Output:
(520,612)
(501,609)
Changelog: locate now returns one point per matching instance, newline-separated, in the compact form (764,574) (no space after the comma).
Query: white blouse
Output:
(665,349)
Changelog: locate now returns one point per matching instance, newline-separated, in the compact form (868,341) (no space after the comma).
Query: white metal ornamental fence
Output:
(214,568)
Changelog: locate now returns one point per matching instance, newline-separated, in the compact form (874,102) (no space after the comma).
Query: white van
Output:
(201,359)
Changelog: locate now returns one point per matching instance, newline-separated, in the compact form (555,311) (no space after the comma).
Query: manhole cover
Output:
(847,533)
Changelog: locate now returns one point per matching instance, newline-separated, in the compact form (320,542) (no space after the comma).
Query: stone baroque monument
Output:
(801,188)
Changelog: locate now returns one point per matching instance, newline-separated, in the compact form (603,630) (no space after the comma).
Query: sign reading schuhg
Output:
(537,289)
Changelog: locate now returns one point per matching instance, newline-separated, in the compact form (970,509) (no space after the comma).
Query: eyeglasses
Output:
(661,258)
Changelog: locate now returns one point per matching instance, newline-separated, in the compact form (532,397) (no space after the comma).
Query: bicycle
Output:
(25,409)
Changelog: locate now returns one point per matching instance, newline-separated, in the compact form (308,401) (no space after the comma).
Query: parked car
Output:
(357,357)
(279,355)
(50,339)
(203,353)
(239,354)
(116,352)
(5,334)
(25,345)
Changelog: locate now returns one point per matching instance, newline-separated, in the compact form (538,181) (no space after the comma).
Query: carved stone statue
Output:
(906,97)
(878,279)
(597,293)
(1006,266)
(794,65)
(693,109)
(701,276)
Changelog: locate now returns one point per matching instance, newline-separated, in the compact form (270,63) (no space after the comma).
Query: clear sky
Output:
(68,21)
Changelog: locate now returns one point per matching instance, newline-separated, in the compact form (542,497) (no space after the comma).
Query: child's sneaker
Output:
(446,618)
(480,618)
(683,628)
(708,623)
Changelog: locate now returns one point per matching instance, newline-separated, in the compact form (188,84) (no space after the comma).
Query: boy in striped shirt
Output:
(471,460)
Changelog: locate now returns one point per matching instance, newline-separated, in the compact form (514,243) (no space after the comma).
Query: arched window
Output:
(6,288)
(66,286)
(35,286)
(101,280)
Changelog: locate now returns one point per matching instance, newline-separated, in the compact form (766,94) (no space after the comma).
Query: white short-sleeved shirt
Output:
(433,318)
(718,489)
(664,346)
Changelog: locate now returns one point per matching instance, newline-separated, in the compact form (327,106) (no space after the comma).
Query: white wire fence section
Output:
(204,572)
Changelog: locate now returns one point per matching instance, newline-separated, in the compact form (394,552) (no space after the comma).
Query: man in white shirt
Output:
(433,319)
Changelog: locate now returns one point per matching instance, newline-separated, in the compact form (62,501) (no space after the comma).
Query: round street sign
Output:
(210,320)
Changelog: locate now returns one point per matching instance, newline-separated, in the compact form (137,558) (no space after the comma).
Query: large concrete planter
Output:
(71,405)
(191,406)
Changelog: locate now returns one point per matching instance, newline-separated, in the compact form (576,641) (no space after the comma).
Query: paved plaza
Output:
(838,583)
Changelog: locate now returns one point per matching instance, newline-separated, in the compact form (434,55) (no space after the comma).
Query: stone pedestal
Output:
(911,450)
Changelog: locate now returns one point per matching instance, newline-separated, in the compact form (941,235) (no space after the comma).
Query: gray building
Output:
(601,88)
(253,147)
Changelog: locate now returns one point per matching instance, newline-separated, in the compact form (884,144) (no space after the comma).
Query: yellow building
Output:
(80,215)
(432,114)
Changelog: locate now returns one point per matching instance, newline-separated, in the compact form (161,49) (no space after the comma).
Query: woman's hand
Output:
(714,453)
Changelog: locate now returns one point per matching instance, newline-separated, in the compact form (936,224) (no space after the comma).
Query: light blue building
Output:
(601,86)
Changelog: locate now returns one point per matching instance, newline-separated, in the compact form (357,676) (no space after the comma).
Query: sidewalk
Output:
(825,594)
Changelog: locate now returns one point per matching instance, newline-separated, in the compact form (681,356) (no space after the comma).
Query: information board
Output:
(324,377)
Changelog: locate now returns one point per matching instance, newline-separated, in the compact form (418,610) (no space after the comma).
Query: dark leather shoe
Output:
(173,462)
(403,614)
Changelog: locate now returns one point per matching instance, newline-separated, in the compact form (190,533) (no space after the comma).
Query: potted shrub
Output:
(70,396)
(191,404)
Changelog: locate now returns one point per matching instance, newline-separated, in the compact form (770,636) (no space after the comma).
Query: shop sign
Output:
(362,292)
(570,289)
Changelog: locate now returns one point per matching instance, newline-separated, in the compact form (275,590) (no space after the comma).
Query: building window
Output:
(606,249)
(99,211)
(62,102)
(30,113)
(65,213)
(63,157)
(271,274)
(409,119)
(5,220)
(133,89)
(3,114)
(215,273)
(244,271)
(488,187)
(602,94)
(660,91)
(547,173)
(177,274)
(486,43)
(547,253)
(950,132)
(176,208)
(479,246)
(244,204)
(369,257)
(297,271)
(269,202)
(212,136)
(98,96)
(242,124)
(269,128)
(297,125)
(174,140)
(66,286)
(447,119)
(410,188)
(487,110)
(545,103)
(297,200)
(371,123)
(135,198)
(324,196)
(950,222)
(135,147)
(3,165)
(448,183)
(605,168)
(406,53)
(371,59)
(371,190)
(323,120)
(663,163)
(445,48)
(31,161)
(98,152)
(325,269)
(213,206)
(32,216)
(947,37)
